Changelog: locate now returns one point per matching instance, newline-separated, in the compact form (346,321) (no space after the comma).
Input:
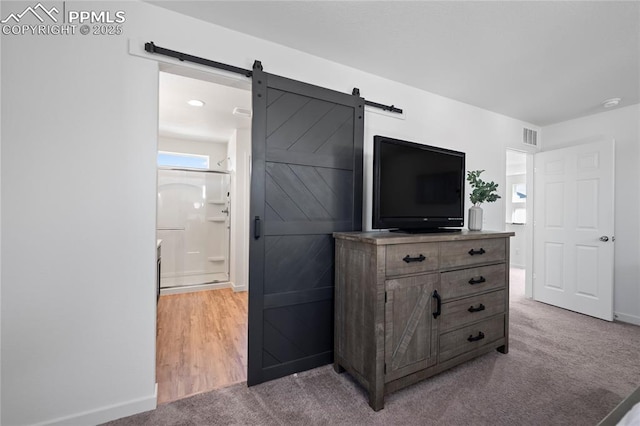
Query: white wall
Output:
(79,138)
(79,144)
(623,126)
(439,121)
(1,103)
(240,154)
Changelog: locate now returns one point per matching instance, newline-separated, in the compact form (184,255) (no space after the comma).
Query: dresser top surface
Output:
(387,237)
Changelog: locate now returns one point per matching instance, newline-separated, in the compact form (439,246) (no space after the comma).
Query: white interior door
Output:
(573,228)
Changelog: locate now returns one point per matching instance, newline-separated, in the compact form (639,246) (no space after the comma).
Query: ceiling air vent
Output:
(529,136)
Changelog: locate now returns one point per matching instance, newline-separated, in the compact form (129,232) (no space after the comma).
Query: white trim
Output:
(194,288)
(630,319)
(528,229)
(0,256)
(239,287)
(186,279)
(107,413)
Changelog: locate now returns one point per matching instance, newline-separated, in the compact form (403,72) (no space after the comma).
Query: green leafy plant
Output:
(483,192)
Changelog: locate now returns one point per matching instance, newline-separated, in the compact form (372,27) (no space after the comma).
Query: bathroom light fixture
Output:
(611,102)
(195,103)
(242,112)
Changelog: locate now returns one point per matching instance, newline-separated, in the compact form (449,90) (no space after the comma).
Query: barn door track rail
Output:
(185,57)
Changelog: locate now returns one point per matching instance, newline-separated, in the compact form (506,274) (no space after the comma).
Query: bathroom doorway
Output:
(204,143)
(518,216)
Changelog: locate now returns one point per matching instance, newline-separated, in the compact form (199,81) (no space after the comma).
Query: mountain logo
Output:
(38,11)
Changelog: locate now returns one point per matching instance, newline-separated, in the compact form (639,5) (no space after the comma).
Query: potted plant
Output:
(482,192)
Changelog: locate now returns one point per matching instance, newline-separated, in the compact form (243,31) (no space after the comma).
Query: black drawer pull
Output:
(480,280)
(438,311)
(472,251)
(410,259)
(480,336)
(478,309)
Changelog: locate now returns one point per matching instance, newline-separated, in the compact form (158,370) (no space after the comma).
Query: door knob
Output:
(604,238)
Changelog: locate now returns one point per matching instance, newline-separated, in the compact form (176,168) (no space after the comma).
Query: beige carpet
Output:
(563,368)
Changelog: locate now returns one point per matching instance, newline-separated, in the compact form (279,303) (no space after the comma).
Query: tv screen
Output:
(416,187)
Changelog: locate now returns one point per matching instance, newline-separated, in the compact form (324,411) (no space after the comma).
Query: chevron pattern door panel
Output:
(306,184)
(296,332)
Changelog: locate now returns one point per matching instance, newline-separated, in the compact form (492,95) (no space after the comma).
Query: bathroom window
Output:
(518,203)
(183,160)
(519,193)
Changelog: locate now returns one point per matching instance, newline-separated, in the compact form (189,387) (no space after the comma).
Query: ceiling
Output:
(213,122)
(542,62)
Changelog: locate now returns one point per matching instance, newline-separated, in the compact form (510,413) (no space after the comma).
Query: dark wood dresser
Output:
(408,306)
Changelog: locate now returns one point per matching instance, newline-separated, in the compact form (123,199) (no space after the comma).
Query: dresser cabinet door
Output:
(410,329)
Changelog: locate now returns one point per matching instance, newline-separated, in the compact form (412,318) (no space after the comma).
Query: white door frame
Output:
(239,231)
(528,285)
(528,228)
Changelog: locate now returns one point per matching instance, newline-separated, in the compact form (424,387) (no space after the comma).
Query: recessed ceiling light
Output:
(195,103)
(611,102)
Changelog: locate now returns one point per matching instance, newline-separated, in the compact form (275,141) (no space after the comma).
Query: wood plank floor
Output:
(201,342)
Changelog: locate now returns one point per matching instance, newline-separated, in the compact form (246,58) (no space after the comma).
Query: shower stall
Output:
(193,224)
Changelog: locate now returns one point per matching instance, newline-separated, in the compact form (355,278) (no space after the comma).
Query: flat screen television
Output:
(417,188)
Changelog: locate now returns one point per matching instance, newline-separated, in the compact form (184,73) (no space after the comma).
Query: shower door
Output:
(193,224)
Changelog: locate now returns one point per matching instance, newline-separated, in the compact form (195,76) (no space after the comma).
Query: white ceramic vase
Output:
(475,218)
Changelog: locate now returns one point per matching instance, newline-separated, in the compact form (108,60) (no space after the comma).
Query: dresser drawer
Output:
(472,252)
(471,309)
(475,336)
(470,281)
(411,258)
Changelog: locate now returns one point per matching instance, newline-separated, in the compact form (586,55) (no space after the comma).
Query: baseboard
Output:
(192,288)
(108,413)
(188,279)
(631,319)
(238,287)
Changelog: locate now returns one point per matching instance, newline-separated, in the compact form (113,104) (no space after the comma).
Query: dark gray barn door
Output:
(306,183)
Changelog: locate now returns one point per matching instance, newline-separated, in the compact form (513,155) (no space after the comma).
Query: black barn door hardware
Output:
(184,57)
(391,108)
(152,48)
(256,227)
